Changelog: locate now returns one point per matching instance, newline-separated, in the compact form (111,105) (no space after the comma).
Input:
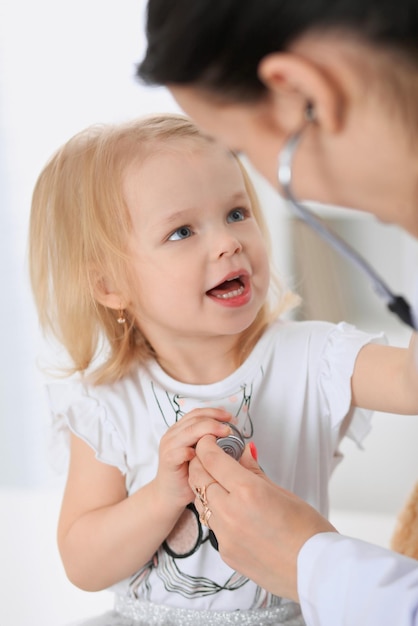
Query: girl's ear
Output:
(288,74)
(105,293)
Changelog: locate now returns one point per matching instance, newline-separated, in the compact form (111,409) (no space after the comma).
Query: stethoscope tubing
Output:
(396,304)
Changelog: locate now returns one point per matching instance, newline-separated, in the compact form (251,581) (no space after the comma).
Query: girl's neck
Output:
(200,363)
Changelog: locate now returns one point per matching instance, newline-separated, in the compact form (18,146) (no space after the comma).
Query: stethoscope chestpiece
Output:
(233,444)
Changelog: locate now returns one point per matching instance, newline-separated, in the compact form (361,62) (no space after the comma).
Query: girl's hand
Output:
(177,449)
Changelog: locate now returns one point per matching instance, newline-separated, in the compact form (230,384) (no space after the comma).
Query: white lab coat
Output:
(347,582)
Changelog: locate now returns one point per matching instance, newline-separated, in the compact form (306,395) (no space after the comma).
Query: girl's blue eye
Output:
(237,215)
(181,233)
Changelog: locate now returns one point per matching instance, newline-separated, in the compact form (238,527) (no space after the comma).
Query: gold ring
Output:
(201,493)
(204,516)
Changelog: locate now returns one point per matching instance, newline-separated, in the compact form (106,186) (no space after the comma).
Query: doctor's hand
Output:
(260,527)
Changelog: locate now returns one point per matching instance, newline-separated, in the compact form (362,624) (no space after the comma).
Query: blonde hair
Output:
(79,227)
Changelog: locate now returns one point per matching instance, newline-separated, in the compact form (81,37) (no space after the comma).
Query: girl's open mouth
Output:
(234,291)
(230,288)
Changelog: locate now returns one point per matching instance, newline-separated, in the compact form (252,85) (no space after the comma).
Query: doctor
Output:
(254,74)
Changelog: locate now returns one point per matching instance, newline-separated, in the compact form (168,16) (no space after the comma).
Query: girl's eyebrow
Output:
(178,216)
(184,215)
(239,196)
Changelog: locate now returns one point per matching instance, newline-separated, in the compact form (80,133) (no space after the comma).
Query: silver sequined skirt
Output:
(131,612)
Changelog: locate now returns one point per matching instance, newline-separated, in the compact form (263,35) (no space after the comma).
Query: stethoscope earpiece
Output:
(310,115)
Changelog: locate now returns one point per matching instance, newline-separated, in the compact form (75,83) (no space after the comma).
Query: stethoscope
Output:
(396,304)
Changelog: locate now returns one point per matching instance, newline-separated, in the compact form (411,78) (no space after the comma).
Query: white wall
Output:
(63,65)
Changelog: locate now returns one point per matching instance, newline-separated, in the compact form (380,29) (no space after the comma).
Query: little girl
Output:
(149,263)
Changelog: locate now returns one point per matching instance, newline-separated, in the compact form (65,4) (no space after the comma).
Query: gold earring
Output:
(121,319)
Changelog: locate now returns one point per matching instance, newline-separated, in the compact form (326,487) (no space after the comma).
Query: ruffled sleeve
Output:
(340,352)
(74,408)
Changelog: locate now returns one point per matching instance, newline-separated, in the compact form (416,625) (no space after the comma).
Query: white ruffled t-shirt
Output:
(290,397)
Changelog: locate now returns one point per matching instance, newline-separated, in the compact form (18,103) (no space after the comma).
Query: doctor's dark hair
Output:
(216,45)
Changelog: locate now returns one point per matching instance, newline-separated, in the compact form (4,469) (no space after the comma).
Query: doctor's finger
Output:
(228,472)
(199,477)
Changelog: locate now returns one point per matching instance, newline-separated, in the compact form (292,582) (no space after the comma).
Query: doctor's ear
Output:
(287,74)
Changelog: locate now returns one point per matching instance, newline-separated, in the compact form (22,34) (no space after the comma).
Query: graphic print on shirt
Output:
(173,406)
(189,537)
(180,544)
(186,537)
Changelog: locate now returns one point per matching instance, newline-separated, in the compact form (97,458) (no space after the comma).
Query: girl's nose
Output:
(227,245)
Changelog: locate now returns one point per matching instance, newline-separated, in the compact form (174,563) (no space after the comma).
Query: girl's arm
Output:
(386,378)
(104,535)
